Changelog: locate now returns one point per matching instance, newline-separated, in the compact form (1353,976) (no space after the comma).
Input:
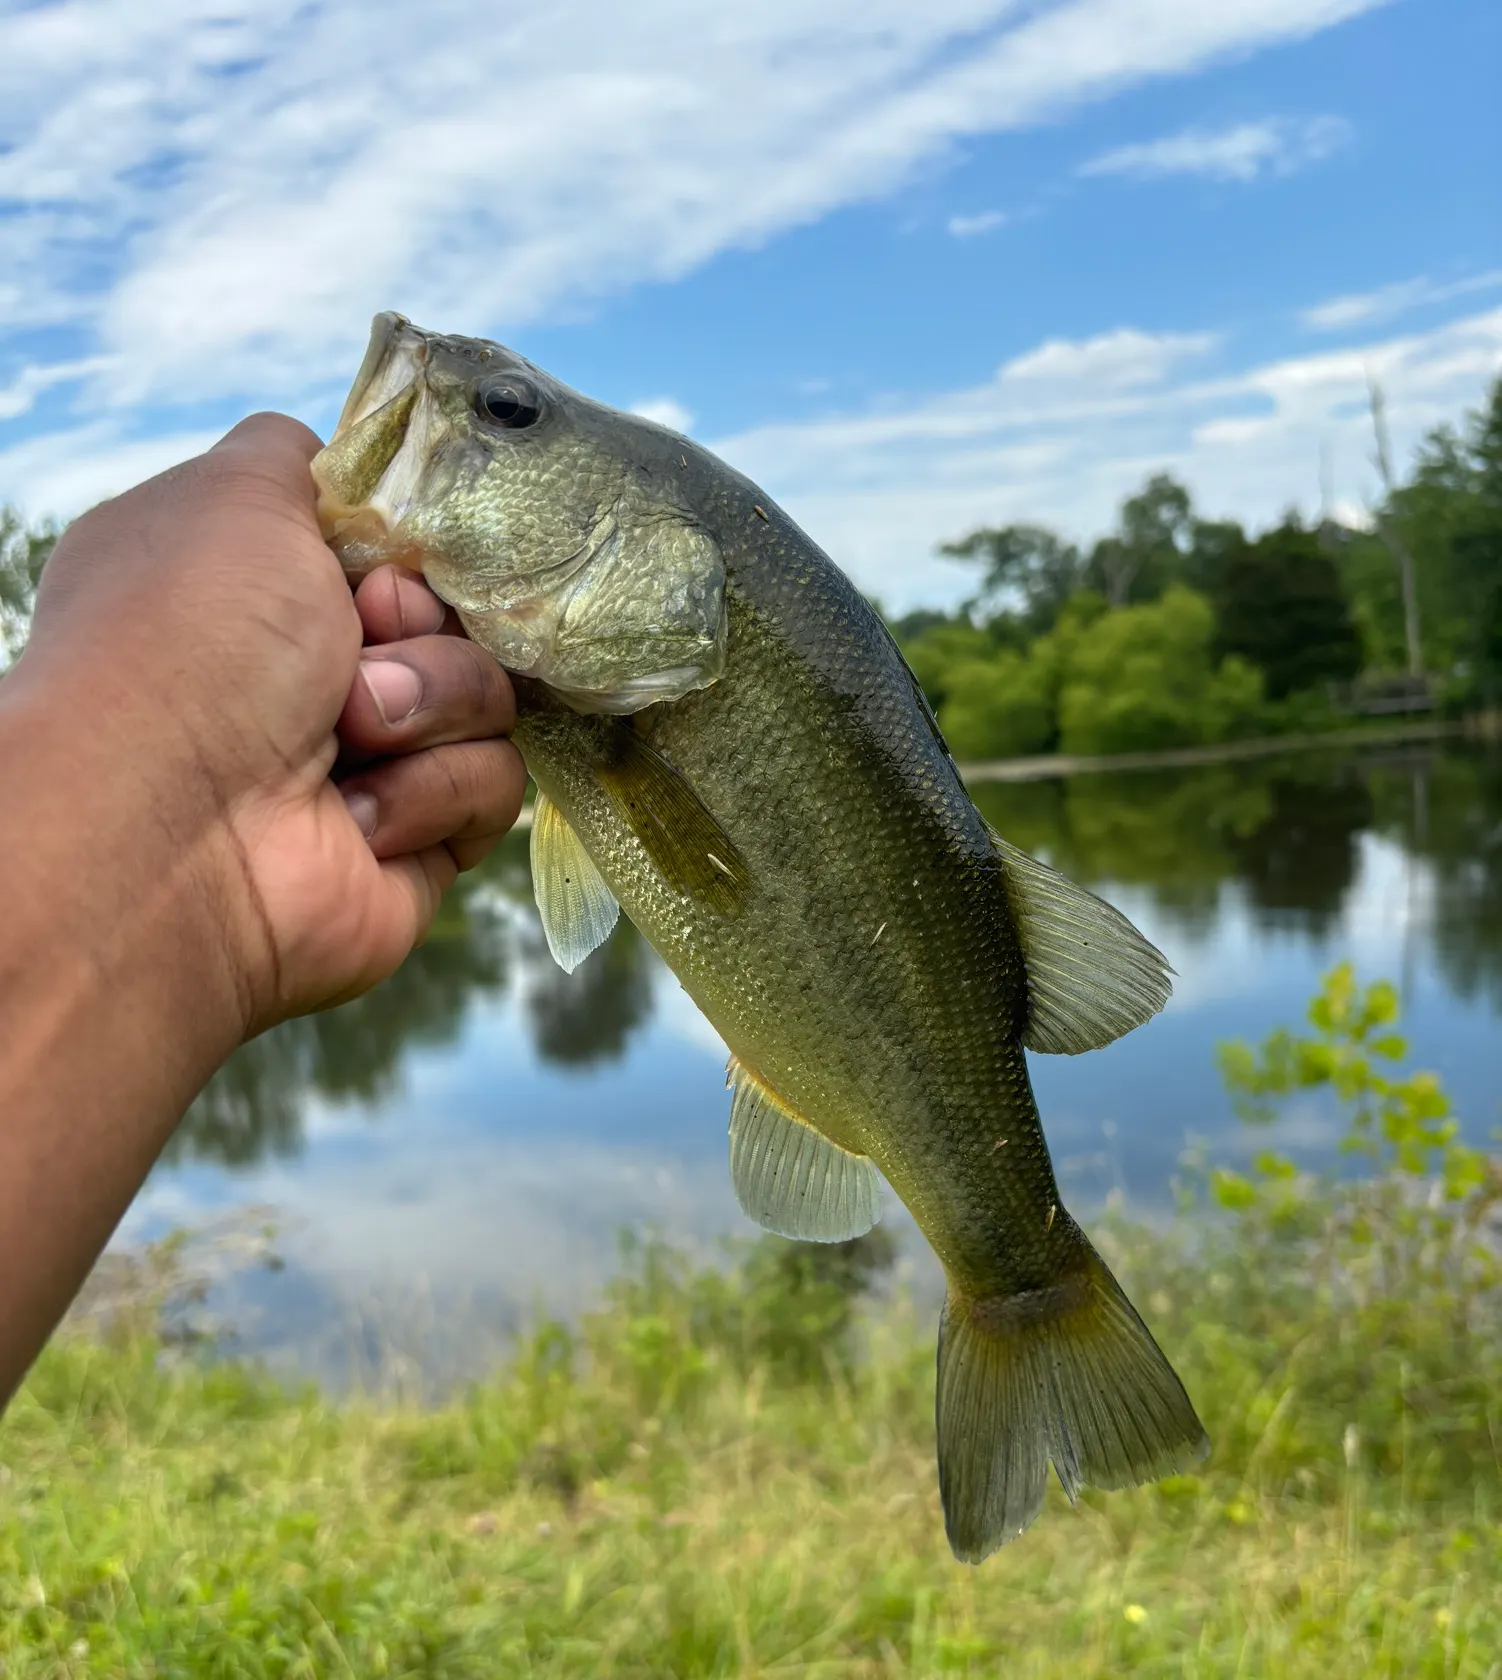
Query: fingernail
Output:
(395,688)
(365,811)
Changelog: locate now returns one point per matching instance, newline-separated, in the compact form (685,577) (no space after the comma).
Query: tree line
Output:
(1176,630)
(1172,629)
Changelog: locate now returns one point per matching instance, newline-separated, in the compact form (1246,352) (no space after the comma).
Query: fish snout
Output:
(368,473)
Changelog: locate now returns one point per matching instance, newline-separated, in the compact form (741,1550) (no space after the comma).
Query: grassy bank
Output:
(731,1473)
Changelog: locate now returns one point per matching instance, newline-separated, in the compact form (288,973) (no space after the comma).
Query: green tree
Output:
(1212,543)
(1150,548)
(1280,604)
(1145,677)
(23,552)
(1007,703)
(940,648)
(1002,707)
(1030,572)
(1449,517)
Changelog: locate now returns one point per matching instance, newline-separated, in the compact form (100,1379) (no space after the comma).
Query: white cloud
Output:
(1277,146)
(1357,309)
(1112,361)
(17,398)
(1061,434)
(223,192)
(666,411)
(62,473)
(986,221)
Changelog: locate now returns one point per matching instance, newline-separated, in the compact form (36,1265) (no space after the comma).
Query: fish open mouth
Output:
(369,472)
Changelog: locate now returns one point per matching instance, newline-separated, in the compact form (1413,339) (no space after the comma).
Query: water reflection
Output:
(588,1017)
(487,939)
(1287,833)
(1446,809)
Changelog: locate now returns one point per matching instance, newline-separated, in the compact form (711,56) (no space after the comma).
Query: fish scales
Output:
(934,1074)
(729,746)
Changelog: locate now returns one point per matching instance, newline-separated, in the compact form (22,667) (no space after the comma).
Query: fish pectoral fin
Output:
(1066,1372)
(578,910)
(1091,976)
(687,845)
(790,1177)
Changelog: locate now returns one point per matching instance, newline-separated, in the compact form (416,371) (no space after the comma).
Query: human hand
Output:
(219,651)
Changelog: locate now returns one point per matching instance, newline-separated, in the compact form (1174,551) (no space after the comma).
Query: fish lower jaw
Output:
(362,540)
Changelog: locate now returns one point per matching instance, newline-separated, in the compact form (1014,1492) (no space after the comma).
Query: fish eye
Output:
(508,401)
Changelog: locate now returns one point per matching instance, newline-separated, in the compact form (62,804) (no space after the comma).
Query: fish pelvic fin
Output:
(788,1176)
(578,910)
(1067,1372)
(1090,975)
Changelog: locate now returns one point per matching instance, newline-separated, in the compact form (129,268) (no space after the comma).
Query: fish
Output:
(728,745)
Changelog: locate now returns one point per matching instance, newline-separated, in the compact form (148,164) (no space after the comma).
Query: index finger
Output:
(395,605)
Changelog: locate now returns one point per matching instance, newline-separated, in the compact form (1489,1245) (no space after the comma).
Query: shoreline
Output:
(1043,766)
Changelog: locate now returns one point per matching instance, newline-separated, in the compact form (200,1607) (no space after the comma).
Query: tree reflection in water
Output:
(486,934)
(1288,832)
(588,1016)
(1446,811)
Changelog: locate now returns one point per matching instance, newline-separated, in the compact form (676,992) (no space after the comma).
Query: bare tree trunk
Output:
(1391,535)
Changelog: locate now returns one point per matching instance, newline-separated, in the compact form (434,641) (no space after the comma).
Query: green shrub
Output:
(999,708)
(1143,678)
(936,651)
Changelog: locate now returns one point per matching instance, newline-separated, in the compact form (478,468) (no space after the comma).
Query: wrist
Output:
(117,999)
(120,878)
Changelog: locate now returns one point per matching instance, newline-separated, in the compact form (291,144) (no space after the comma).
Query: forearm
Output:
(117,999)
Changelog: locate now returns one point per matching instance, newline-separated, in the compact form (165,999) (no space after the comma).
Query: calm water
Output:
(464,1145)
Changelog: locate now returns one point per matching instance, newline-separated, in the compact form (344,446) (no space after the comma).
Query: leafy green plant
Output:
(1145,677)
(1402,1122)
(1371,1301)
(23,552)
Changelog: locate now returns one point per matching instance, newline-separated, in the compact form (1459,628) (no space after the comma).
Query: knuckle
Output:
(482,686)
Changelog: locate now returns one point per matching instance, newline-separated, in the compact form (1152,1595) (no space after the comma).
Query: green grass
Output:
(731,1472)
(686,1489)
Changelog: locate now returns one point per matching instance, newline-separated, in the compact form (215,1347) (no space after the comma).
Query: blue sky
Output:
(912,266)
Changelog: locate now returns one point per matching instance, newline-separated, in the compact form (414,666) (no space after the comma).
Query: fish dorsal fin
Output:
(578,910)
(1091,976)
(687,845)
(791,1178)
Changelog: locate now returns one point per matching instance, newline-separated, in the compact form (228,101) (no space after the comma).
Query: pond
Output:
(462,1148)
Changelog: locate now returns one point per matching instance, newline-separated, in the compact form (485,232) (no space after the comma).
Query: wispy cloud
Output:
(222,195)
(20,395)
(1358,309)
(1275,146)
(986,221)
(62,473)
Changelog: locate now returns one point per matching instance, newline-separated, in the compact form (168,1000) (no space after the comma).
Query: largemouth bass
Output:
(727,743)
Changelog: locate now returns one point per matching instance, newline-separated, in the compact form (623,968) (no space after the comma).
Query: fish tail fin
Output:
(1067,1372)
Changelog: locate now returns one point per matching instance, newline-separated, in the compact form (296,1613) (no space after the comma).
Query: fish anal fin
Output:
(1068,1373)
(788,1176)
(687,845)
(1091,975)
(578,909)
